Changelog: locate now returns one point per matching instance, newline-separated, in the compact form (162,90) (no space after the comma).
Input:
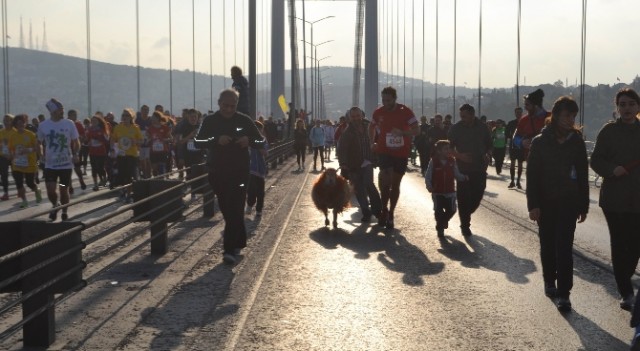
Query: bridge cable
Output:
(583,60)
(138,49)
(193,46)
(88,19)
(480,62)
(455,55)
(224,44)
(423,59)
(437,55)
(518,61)
(170,60)
(211,53)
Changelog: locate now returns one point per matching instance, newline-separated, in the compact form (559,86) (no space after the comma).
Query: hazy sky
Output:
(550,36)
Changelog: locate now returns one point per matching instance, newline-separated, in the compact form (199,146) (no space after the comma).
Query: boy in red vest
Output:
(440,179)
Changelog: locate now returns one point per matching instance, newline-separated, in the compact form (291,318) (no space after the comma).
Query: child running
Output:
(258,172)
(439,179)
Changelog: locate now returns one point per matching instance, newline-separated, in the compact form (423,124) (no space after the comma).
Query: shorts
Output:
(60,176)
(516,154)
(399,164)
(20,177)
(144,153)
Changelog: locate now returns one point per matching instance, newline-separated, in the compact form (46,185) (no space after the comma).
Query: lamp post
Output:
(313,58)
(318,73)
(304,53)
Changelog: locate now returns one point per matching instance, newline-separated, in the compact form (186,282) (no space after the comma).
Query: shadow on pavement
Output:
(592,336)
(394,251)
(478,251)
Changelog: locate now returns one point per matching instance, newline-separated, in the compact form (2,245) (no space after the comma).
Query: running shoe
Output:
(38,196)
(64,216)
(382,218)
(53,215)
(512,185)
(24,204)
(4,197)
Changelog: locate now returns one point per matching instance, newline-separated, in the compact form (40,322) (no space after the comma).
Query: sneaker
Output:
(466,231)
(4,197)
(24,204)
(440,233)
(258,213)
(64,216)
(83,186)
(248,210)
(38,196)
(550,290)
(635,343)
(236,252)
(564,304)
(512,185)
(627,303)
(229,258)
(518,185)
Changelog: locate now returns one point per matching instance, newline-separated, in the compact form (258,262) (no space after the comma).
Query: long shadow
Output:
(394,251)
(198,303)
(478,251)
(592,336)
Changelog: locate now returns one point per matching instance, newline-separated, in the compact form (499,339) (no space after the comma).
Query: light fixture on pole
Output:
(304,54)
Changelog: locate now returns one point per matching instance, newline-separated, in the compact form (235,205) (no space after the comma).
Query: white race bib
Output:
(157,146)
(124,143)
(191,145)
(21,161)
(394,142)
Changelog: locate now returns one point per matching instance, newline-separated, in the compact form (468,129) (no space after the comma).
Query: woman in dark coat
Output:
(558,196)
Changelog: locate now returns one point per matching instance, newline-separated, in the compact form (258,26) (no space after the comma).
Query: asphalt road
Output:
(303,286)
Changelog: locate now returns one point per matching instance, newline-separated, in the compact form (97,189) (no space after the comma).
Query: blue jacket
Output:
(258,164)
(316,135)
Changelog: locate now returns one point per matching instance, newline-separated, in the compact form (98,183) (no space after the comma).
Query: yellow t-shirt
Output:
(23,161)
(4,141)
(127,138)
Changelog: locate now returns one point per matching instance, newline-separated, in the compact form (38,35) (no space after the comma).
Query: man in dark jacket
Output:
(472,143)
(356,158)
(227,134)
(241,85)
(616,158)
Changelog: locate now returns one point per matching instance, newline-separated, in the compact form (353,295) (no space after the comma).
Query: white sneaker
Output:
(248,210)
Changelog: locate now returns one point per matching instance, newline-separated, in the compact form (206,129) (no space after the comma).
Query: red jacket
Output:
(443,178)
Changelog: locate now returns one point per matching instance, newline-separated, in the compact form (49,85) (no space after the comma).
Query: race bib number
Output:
(394,142)
(21,161)
(191,145)
(124,144)
(157,146)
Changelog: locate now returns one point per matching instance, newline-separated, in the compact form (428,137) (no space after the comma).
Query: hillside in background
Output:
(36,76)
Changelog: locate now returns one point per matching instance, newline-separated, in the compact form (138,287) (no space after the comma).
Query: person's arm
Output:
(602,154)
(582,173)
(205,135)
(534,166)
(459,176)
(428,176)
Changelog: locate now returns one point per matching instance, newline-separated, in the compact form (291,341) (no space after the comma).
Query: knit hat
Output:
(53,105)
(535,97)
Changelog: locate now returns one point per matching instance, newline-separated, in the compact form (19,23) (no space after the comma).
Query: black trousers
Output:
(444,208)
(498,156)
(624,232)
(470,195)
(424,155)
(4,173)
(300,149)
(556,229)
(231,189)
(255,194)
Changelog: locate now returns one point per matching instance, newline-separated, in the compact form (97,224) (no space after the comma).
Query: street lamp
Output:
(304,52)
(314,54)
(319,97)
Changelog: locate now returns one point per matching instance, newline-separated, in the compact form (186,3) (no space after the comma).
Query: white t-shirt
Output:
(57,137)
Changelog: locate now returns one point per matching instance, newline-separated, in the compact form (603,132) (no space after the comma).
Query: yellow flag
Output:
(283,104)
